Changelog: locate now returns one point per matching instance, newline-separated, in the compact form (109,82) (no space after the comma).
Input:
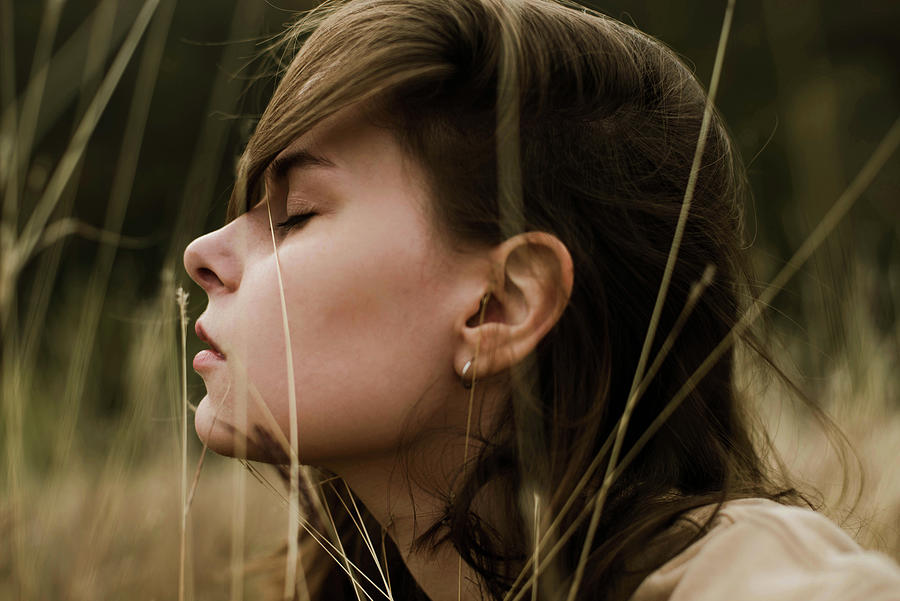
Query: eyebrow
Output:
(301,158)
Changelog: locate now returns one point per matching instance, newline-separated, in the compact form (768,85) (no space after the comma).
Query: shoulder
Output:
(761,550)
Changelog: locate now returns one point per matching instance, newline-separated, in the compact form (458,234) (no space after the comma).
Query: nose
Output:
(211,262)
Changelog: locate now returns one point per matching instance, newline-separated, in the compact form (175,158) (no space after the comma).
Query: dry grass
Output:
(860,392)
(126,547)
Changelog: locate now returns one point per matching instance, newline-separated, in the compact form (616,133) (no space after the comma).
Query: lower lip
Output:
(207,359)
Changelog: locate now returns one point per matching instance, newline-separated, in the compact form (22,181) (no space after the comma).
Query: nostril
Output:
(210,260)
(208,278)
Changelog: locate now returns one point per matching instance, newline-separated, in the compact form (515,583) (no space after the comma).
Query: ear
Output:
(531,282)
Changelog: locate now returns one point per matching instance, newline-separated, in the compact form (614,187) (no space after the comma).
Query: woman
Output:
(443,252)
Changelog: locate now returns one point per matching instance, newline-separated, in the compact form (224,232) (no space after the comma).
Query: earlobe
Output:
(532,279)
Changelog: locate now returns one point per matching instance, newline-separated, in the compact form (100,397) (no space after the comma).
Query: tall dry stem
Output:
(182,300)
(24,136)
(291,573)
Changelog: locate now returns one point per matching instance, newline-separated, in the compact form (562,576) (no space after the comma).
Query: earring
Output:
(467,384)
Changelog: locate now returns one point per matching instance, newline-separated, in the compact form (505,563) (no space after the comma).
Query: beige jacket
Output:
(761,551)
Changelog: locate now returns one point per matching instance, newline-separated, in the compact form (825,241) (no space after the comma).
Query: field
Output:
(119,130)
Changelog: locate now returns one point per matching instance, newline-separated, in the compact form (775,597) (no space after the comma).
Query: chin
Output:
(215,430)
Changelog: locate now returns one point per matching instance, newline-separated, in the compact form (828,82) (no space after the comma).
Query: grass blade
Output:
(31,234)
(31,107)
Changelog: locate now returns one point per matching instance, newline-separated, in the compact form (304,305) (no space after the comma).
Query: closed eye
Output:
(294,221)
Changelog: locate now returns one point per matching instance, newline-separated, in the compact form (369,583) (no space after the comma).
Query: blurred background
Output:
(121,123)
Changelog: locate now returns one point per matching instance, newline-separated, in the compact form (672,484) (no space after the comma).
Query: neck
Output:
(405,510)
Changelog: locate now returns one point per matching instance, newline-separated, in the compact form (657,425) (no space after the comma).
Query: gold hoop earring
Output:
(467,384)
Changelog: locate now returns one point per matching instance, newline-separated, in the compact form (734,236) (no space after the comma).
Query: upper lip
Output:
(202,335)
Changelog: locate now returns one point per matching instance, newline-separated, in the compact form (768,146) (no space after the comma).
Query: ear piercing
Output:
(466,383)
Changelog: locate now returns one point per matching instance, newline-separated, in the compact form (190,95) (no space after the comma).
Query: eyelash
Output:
(294,221)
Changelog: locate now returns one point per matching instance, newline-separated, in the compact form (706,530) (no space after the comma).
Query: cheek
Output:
(369,335)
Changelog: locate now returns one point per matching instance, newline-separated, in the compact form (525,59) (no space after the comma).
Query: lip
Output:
(208,357)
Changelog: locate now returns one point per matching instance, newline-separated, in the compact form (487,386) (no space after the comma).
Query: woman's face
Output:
(373,303)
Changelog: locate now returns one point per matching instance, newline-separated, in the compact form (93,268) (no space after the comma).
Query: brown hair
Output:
(532,115)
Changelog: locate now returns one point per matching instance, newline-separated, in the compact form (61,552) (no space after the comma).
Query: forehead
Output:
(350,150)
(347,142)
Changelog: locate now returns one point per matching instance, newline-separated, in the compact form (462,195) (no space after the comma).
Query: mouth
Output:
(202,335)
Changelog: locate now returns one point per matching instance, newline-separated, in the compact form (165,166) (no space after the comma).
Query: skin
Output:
(382,317)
